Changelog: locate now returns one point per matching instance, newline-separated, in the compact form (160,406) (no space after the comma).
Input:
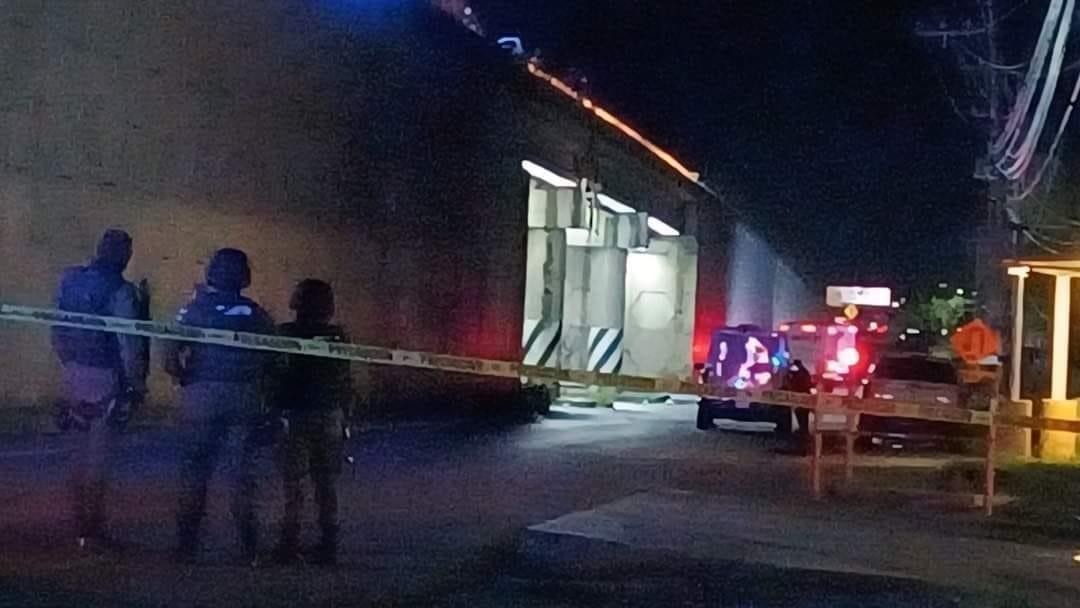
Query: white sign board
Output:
(839,297)
(831,421)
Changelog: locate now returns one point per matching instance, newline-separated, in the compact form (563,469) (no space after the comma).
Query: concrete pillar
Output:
(661,288)
(544,280)
(1017,355)
(1009,442)
(574,346)
(593,309)
(1059,371)
(1058,445)
(605,308)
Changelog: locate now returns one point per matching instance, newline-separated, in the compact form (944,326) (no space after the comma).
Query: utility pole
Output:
(992,239)
(986,103)
(978,56)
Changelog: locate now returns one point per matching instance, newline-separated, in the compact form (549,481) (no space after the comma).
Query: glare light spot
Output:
(660,227)
(959,292)
(546,175)
(944,332)
(612,120)
(578,237)
(943,285)
(615,206)
(912,331)
(848,356)
(1076,558)
(944,400)
(809,328)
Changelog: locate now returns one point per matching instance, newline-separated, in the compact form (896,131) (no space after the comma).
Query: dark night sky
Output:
(829,114)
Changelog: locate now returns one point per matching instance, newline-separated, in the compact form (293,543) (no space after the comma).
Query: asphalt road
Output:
(434,514)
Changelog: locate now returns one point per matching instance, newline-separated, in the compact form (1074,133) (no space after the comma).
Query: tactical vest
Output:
(213,363)
(88,290)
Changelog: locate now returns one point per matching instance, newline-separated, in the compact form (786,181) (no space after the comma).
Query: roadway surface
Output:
(447,514)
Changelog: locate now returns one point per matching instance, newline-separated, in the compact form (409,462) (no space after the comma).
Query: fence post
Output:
(988,497)
(849,446)
(815,465)
(815,456)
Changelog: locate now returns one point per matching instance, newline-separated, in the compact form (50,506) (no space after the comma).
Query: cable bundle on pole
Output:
(1017,143)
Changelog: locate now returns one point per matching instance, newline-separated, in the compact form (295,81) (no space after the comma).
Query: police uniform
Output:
(221,400)
(102,374)
(315,395)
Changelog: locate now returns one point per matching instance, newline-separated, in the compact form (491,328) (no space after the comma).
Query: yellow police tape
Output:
(336,350)
(508,369)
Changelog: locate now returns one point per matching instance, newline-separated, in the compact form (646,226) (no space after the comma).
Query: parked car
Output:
(919,378)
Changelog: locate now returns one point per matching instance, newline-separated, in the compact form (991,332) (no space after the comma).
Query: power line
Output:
(1053,147)
(952,100)
(974,31)
(1016,159)
(1016,67)
(1031,81)
(1038,243)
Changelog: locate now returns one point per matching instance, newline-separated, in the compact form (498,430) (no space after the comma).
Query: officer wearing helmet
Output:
(104,375)
(221,399)
(316,395)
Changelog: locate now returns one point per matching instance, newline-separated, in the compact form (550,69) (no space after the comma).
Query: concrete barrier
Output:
(1058,445)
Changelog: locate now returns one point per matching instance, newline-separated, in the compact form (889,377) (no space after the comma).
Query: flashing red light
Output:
(848,356)
(809,328)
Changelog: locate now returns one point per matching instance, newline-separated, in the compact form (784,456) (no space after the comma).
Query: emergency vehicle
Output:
(749,358)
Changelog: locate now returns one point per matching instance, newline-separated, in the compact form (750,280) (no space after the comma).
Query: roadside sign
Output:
(976,341)
(851,311)
(827,421)
(840,296)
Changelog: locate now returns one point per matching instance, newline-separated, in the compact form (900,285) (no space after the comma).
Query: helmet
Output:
(313,300)
(229,270)
(114,249)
